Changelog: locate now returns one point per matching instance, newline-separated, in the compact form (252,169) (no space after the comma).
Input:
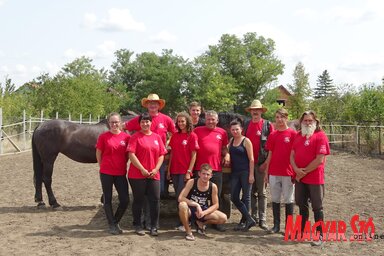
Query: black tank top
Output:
(239,157)
(203,198)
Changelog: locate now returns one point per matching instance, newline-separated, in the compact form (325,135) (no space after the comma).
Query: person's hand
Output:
(145,173)
(300,173)
(226,160)
(266,179)
(168,175)
(152,173)
(199,212)
(251,179)
(187,176)
(262,167)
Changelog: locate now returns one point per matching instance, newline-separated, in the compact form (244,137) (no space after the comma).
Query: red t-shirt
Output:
(161,124)
(306,151)
(182,145)
(113,153)
(148,149)
(280,144)
(254,133)
(210,143)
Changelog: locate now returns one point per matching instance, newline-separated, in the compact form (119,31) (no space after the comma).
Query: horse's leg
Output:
(38,182)
(47,178)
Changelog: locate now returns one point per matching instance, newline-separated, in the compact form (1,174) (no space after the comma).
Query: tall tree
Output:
(250,61)
(324,86)
(300,89)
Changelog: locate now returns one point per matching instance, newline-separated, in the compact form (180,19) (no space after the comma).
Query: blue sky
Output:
(344,37)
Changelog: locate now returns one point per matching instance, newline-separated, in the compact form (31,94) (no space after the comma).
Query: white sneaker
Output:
(180,228)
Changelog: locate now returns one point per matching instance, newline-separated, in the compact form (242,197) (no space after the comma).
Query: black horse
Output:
(76,141)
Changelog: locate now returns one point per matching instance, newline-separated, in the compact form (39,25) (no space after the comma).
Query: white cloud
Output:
(307,13)
(73,54)
(106,49)
(163,37)
(350,16)
(2,2)
(116,20)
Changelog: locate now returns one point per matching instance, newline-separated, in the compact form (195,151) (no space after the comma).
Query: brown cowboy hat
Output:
(256,104)
(153,97)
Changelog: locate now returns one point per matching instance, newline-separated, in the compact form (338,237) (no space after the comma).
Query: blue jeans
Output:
(240,182)
(163,179)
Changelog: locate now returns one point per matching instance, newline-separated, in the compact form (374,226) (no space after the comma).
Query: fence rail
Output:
(16,137)
(361,139)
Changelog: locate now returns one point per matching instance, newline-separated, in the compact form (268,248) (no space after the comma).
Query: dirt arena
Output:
(354,185)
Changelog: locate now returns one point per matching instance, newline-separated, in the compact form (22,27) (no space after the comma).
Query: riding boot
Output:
(288,211)
(276,218)
(241,224)
(250,222)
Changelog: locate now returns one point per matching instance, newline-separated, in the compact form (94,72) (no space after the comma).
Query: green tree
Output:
(301,91)
(324,86)
(250,61)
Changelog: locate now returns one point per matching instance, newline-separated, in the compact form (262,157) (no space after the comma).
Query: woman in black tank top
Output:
(242,176)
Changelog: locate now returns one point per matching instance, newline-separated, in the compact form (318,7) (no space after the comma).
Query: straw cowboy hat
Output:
(153,97)
(256,104)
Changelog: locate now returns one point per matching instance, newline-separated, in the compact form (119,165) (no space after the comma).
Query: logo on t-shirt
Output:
(323,149)
(122,143)
(258,133)
(185,142)
(218,136)
(306,143)
(156,142)
(287,139)
(161,126)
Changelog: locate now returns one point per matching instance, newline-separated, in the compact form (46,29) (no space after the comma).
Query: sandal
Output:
(200,229)
(190,237)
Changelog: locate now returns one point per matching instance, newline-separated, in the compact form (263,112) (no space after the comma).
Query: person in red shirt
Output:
(112,159)
(212,150)
(309,150)
(182,158)
(146,151)
(195,111)
(161,124)
(280,172)
(254,131)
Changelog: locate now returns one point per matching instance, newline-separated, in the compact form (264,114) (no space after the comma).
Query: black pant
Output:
(121,185)
(140,189)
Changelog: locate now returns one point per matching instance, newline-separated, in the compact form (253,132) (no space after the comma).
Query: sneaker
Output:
(139,231)
(180,228)
(189,237)
(154,232)
(239,226)
(114,229)
(263,225)
(318,242)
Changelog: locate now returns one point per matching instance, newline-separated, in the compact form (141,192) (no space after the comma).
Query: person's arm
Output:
(249,148)
(157,167)
(225,155)
(184,193)
(169,166)
(135,161)
(314,163)
(191,165)
(98,156)
(267,162)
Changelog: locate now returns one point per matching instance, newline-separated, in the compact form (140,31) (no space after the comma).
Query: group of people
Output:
(258,153)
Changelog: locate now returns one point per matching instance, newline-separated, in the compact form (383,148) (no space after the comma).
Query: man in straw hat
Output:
(161,124)
(257,130)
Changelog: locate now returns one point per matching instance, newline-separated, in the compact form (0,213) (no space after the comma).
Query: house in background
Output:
(284,95)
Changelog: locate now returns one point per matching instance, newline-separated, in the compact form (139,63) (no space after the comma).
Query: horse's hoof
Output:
(41,205)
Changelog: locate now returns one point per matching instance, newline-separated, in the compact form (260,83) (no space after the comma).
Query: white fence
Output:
(16,137)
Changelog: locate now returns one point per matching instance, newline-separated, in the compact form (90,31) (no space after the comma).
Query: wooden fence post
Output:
(1,131)
(24,131)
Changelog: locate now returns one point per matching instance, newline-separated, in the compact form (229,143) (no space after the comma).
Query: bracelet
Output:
(189,171)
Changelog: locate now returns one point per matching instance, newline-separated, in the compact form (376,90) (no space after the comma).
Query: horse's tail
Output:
(37,167)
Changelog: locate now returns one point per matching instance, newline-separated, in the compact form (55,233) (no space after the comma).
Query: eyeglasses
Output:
(114,122)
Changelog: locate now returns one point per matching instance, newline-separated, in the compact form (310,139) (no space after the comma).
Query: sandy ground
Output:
(354,185)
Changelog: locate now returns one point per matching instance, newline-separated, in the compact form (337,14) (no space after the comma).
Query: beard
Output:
(308,130)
